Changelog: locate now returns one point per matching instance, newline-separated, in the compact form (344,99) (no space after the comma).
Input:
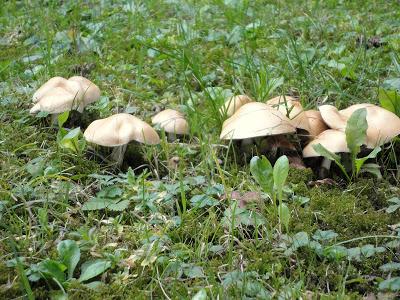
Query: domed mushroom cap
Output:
(332,140)
(255,119)
(233,103)
(171,121)
(291,108)
(90,91)
(47,86)
(120,129)
(331,116)
(383,125)
(60,99)
(316,124)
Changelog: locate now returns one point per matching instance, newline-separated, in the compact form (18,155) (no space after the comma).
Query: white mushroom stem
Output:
(117,155)
(246,145)
(54,119)
(325,167)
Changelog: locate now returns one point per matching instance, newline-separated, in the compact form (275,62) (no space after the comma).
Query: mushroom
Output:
(233,103)
(332,140)
(47,86)
(383,125)
(254,120)
(91,92)
(58,95)
(316,124)
(308,120)
(172,122)
(117,131)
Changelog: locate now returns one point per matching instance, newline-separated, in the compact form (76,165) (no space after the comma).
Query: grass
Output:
(191,55)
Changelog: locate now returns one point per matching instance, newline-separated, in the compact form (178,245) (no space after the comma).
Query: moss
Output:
(6,276)
(348,214)
(300,175)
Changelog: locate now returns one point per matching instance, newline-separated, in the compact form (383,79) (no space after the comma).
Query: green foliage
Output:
(186,239)
(272,180)
(389,95)
(394,205)
(68,258)
(71,140)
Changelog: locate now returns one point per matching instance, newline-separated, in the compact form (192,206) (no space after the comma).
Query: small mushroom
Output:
(332,140)
(117,131)
(58,95)
(233,103)
(172,122)
(383,125)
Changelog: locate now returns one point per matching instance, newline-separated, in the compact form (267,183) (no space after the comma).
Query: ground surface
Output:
(166,233)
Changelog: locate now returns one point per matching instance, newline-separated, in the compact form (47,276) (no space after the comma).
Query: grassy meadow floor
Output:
(167,232)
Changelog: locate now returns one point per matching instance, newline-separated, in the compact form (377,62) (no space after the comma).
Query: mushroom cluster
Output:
(284,116)
(58,95)
(281,124)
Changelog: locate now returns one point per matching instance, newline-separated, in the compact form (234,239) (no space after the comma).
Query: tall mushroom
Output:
(172,122)
(117,131)
(254,120)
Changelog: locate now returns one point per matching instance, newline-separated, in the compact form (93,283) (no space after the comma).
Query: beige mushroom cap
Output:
(47,86)
(332,140)
(120,129)
(91,92)
(309,120)
(171,121)
(316,124)
(60,99)
(383,125)
(233,103)
(255,119)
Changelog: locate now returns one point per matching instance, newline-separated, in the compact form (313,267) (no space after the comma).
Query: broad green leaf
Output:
(69,253)
(335,252)
(280,173)
(262,171)
(326,153)
(200,295)
(70,140)
(51,269)
(356,130)
(284,215)
(94,285)
(97,203)
(395,206)
(324,235)
(359,162)
(373,169)
(390,267)
(203,200)
(91,269)
(193,272)
(391,284)
(390,100)
(62,118)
